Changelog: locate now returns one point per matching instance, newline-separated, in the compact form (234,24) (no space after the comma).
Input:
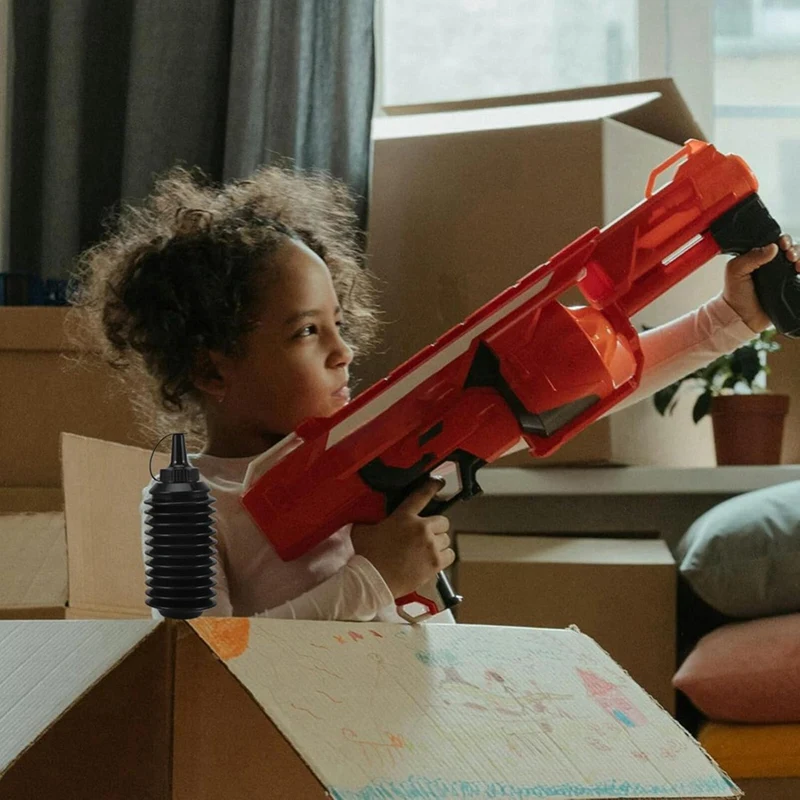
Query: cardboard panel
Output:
(33,565)
(15,499)
(466,215)
(225,746)
(770,788)
(785,378)
(381,710)
(667,116)
(621,592)
(103,484)
(47,665)
(113,743)
(40,372)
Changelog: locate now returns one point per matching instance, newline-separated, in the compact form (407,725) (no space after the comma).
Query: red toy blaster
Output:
(521,367)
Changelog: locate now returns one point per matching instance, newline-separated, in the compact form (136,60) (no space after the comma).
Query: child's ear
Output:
(209,374)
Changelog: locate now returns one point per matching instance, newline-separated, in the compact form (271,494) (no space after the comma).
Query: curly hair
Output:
(179,276)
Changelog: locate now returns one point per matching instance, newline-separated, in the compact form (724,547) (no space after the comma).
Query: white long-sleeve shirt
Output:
(331,581)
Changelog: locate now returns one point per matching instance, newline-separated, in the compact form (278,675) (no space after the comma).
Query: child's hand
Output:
(739,292)
(407,549)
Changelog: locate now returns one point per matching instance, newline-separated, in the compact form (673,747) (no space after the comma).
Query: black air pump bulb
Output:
(180,543)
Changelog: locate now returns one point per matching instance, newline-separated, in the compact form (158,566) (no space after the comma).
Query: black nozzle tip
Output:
(179,470)
(179,457)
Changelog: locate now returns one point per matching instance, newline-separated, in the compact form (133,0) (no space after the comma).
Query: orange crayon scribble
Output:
(375,633)
(228,637)
(340,639)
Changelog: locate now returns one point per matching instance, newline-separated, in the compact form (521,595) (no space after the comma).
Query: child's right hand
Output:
(407,549)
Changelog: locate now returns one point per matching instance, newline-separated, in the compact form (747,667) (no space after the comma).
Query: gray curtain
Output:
(107,93)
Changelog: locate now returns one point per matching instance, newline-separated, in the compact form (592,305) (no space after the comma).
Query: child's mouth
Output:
(343,393)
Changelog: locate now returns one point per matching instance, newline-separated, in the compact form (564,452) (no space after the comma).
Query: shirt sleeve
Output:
(674,350)
(356,593)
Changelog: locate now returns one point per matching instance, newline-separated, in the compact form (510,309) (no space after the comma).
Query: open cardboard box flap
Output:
(243,708)
(657,108)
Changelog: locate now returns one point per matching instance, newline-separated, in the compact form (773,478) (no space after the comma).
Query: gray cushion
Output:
(743,556)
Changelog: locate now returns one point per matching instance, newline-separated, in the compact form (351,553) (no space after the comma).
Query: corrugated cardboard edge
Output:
(672,121)
(738,792)
(80,697)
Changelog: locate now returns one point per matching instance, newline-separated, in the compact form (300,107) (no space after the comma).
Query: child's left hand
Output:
(739,292)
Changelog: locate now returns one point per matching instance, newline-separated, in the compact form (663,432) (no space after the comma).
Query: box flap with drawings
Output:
(466,199)
(288,708)
(33,566)
(103,484)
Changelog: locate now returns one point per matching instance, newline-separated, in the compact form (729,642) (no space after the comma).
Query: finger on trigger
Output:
(421,496)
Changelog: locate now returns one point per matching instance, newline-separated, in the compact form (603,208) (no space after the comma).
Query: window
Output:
(756,110)
(441,50)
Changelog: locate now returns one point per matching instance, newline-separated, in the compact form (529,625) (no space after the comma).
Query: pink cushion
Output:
(746,672)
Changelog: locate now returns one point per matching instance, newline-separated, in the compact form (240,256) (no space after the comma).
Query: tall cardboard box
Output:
(621,592)
(45,391)
(464,202)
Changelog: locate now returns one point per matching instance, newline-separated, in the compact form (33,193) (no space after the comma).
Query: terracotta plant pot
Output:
(748,428)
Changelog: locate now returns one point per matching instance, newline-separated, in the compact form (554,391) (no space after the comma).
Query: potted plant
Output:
(747,419)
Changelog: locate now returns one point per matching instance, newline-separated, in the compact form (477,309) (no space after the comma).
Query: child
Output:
(241,309)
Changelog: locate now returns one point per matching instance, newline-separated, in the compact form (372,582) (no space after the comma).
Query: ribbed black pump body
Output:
(180,542)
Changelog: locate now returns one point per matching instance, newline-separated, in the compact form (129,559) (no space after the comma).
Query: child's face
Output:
(295,362)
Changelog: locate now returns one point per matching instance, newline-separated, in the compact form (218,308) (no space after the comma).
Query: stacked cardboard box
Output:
(466,200)
(49,386)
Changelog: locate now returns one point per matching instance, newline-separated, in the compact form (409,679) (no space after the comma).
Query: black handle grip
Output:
(778,290)
(745,226)
(397,483)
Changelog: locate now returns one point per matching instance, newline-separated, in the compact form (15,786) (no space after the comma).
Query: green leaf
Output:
(663,398)
(702,406)
(730,382)
(750,363)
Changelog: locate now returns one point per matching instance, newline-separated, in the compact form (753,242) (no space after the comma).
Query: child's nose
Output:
(343,353)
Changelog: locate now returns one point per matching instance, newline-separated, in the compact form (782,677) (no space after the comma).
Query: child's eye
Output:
(309,330)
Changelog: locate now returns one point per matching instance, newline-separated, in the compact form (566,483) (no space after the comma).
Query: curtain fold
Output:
(107,95)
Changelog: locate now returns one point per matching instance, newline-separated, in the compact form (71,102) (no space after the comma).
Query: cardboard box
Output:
(784,378)
(44,392)
(465,202)
(33,566)
(103,483)
(621,592)
(30,499)
(238,708)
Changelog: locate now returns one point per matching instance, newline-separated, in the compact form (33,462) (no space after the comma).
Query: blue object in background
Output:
(22,289)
